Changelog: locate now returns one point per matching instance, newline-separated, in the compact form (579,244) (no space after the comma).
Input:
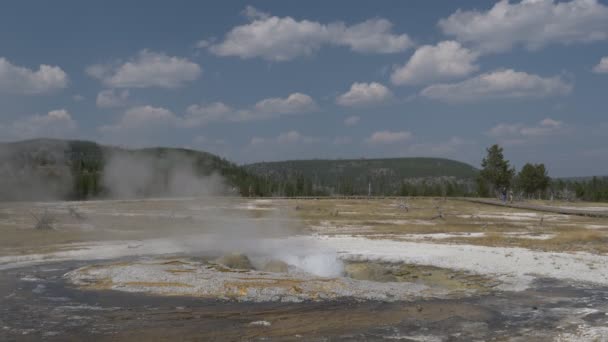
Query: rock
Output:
(236,261)
(276,266)
(260,323)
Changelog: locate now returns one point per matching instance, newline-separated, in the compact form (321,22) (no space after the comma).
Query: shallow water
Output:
(37,304)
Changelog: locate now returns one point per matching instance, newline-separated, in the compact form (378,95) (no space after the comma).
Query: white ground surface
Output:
(515,267)
(187,277)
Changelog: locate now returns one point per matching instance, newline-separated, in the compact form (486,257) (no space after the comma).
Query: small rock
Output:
(276,266)
(236,261)
(260,323)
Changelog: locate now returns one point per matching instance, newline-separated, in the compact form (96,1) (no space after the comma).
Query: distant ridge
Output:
(45,169)
(51,169)
(386,175)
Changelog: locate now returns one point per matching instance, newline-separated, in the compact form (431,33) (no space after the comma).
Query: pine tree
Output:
(496,170)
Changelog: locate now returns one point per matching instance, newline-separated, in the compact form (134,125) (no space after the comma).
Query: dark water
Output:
(36,304)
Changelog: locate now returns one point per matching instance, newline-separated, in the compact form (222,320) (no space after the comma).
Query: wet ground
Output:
(37,304)
(499,267)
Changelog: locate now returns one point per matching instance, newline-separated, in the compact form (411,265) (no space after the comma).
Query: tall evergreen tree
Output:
(496,170)
(533,179)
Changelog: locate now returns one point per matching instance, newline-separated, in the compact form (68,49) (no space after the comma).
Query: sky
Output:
(274,80)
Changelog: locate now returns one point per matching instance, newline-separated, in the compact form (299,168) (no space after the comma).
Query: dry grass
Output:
(460,217)
(133,220)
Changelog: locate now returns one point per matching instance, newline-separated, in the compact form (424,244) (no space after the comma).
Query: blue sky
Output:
(273,80)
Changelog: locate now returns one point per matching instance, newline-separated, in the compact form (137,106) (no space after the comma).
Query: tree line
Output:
(497,176)
(85,161)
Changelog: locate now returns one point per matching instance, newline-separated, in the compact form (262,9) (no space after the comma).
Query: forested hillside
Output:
(44,169)
(394,176)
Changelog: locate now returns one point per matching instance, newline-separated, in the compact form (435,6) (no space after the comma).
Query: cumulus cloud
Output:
(54,124)
(342,140)
(200,115)
(280,39)
(78,98)
(296,103)
(254,13)
(388,137)
(501,84)
(602,66)
(431,63)
(442,148)
(352,120)
(147,69)
(145,123)
(371,36)
(530,23)
(364,94)
(20,80)
(519,133)
(142,117)
(110,98)
(257,141)
(289,137)
(295,137)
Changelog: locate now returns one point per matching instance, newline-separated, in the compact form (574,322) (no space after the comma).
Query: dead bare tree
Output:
(76,214)
(440,213)
(404,206)
(44,222)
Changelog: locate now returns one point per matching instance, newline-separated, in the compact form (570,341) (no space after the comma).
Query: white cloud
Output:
(388,137)
(296,103)
(147,69)
(200,115)
(519,133)
(499,84)
(111,98)
(253,13)
(444,61)
(289,137)
(204,43)
(78,98)
(142,121)
(257,141)
(371,36)
(280,39)
(143,117)
(530,23)
(602,66)
(352,120)
(342,140)
(442,148)
(142,126)
(200,140)
(54,124)
(364,94)
(20,80)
